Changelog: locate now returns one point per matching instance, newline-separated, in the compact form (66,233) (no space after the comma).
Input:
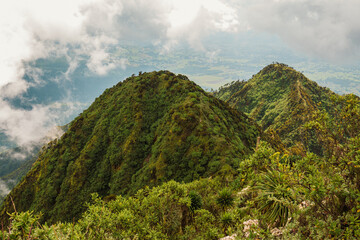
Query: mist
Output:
(85,34)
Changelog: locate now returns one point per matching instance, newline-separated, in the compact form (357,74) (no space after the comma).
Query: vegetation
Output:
(15,163)
(281,100)
(303,199)
(277,191)
(144,131)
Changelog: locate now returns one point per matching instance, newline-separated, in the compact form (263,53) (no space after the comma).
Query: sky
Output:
(87,43)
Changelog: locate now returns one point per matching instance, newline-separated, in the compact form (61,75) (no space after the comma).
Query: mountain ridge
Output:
(279,98)
(159,126)
(145,130)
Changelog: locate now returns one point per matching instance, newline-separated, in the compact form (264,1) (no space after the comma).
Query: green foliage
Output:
(307,188)
(225,198)
(22,225)
(281,100)
(196,201)
(144,131)
(275,198)
(314,196)
(309,198)
(159,213)
(226,220)
(204,226)
(256,163)
(226,91)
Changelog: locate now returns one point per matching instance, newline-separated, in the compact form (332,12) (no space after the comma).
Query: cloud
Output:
(25,127)
(83,31)
(4,190)
(78,28)
(325,29)
(31,127)
(192,21)
(74,29)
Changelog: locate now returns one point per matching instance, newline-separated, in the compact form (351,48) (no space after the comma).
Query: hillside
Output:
(10,180)
(13,159)
(260,194)
(14,164)
(9,160)
(146,130)
(280,99)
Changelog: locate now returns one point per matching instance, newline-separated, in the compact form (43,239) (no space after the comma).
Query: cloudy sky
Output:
(95,35)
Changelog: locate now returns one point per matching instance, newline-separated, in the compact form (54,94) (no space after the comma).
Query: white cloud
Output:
(320,28)
(30,31)
(4,190)
(193,20)
(31,127)
(87,30)
(25,127)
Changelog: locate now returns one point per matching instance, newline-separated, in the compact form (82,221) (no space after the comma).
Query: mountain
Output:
(13,158)
(10,180)
(9,161)
(15,163)
(146,130)
(281,99)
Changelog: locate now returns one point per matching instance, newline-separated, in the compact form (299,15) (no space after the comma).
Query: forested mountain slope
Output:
(280,99)
(146,130)
(160,126)
(14,164)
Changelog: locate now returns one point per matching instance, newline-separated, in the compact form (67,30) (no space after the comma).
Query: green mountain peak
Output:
(144,131)
(278,98)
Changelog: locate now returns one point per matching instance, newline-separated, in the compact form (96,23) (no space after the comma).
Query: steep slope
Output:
(226,91)
(280,99)
(10,180)
(14,164)
(11,159)
(9,162)
(145,130)
(17,161)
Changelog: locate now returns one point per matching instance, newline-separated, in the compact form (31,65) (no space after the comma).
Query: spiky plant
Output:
(226,219)
(225,198)
(275,198)
(196,200)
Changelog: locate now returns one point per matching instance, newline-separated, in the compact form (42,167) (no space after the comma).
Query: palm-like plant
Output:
(225,198)
(196,201)
(275,198)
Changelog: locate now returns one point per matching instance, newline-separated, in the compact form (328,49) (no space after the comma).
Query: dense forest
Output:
(156,157)
(146,130)
(281,100)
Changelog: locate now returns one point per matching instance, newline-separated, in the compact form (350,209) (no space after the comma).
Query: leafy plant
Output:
(196,200)
(275,199)
(225,198)
(144,131)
